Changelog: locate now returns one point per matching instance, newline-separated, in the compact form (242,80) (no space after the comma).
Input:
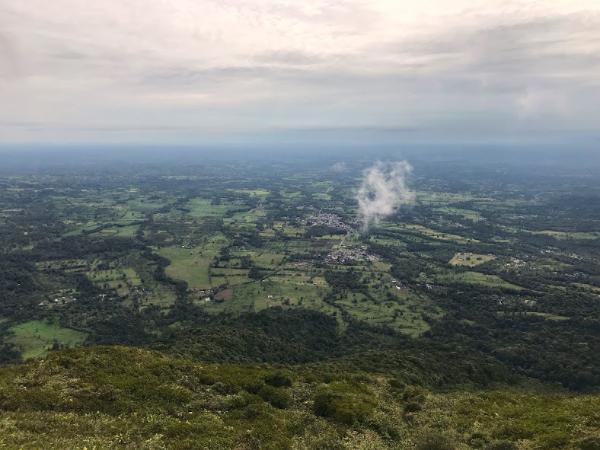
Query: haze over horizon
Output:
(194,72)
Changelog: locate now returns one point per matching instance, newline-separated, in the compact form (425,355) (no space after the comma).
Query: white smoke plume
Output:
(383,191)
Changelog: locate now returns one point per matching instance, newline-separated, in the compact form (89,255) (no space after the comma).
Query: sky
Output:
(208,71)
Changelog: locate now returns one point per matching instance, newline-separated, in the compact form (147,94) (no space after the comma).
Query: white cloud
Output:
(382,191)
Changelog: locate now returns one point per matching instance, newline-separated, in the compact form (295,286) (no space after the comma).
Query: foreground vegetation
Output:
(116,397)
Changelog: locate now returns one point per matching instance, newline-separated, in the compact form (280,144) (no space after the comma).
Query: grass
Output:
(148,291)
(245,219)
(388,305)
(470,259)
(475,278)
(467,214)
(126,231)
(122,279)
(291,287)
(228,276)
(532,419)
(262,193)
(563,235)
(192,265)
(82,227)
(429,233)
(322,196)
(547,316)
(287,289)
(290,195)
(142,204)
(201,207)
(442,198)
(36,337)
(403,314)
(189,265)
(588,287)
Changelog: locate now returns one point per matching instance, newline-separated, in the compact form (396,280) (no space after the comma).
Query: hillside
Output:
(121,397)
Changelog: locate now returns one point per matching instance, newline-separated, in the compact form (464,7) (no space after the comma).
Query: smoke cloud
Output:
(382,191)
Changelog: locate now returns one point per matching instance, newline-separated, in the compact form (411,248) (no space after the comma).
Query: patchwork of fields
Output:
(146,257)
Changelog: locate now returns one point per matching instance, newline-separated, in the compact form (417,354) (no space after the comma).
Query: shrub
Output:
(397,384)
(435,441)
(224,389)
(590,443)
(412,407)
(278,379)
(206,379)
(275,396)
(414,393)
(343,403)
(502,445)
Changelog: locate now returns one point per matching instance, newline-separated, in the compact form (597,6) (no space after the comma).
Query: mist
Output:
(383,190)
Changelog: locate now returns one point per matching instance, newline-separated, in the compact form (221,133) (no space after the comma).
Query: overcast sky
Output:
(194,71)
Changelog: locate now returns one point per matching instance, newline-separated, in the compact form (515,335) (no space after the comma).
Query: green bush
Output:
(224,388)
(502,445)
(275,396)
(414,394)
(343,403)
(590,443)
(278,379)
(435,441)
(412,407)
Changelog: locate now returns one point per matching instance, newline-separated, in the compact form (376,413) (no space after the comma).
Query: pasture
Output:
(468,259)
(36,337)
(192,265)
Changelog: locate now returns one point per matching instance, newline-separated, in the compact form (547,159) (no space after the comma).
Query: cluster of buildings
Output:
(347,255)
(329,220)
(398,285)
(59,299)
(515,263)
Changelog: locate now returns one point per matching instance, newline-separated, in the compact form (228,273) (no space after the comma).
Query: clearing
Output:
(470,259)
(36,337)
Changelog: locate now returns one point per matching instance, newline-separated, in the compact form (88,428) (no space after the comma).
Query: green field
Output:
(252,192)
(468,214)
(428,233)
(36,337)
(192,264)
(470,259)
(562,235)
(126,231)
(122,279)
(201,207)
(404,313)
(475,278)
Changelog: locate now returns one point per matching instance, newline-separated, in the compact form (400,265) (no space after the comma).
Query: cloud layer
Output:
(194,70)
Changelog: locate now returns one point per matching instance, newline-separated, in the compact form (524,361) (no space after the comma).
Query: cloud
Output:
(339,167)
(290,57)
(435,66)
(382,191)
(9,63)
